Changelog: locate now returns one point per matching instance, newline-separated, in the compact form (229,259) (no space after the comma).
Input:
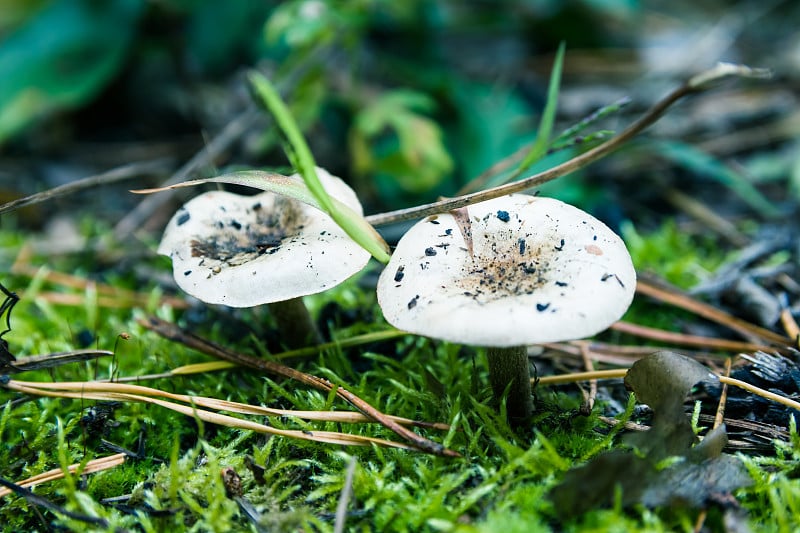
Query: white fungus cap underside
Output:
(542,271)
(229,249)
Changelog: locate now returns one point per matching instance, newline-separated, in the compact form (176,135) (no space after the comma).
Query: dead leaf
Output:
(704,476)
(662,381)
(696,484)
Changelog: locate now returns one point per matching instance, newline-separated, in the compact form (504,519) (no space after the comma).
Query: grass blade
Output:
(539,148)
(355,224)
(300,156)
(706,164)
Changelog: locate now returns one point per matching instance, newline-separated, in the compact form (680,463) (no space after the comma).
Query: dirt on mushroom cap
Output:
(541,271)
(243,251)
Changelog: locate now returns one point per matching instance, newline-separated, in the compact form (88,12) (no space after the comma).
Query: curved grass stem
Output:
(619,373)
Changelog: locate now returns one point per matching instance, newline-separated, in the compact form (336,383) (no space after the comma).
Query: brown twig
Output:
(95,465)
(172,332)
(683,339)
(124,172)
(38,362)
(191,406)
(707,216)
(506,163)
(35,499)
(619,373)
(219,144)
(790,326)
(683,301)
(723,397)
(109,296)
(589,397)
(655,112)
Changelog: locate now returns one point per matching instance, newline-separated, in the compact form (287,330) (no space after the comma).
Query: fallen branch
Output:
(693,85)
(174,333)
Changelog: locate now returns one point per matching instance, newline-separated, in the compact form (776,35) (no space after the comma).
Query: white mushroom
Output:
(243,251)
(523,270)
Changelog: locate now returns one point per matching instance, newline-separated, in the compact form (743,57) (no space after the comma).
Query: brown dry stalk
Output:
(51,360)
(124,172)
(707,216)
(790,326)
(100,388)
(172,332)
(723,397)
(329,437)
(95,465)
(619,373)
(676,298)
(108,296)
(683,339)
(693,85)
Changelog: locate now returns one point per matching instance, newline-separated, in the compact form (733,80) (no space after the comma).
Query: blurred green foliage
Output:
(60,58)
(373,84)
(679,257)
(392,141)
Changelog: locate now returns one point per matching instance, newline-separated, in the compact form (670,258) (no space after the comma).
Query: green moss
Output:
(675,255)
(500,483)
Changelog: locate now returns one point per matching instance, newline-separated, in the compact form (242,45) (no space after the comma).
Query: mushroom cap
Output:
(243,251)
(540,271)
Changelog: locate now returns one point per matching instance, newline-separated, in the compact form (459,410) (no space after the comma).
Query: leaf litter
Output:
(695,475)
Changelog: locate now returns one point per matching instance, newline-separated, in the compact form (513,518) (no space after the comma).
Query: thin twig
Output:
(99,388)
(723,397)
(790,326)
(95,465)
(344,498)
(504,164)
(673,297)
(35,499)
(172,332)
(684,339)
(219,144)
(124,172)
(562,379)
(706,216)
(329,437)
(110,296)
(51,360)
(619,373)
(695,84)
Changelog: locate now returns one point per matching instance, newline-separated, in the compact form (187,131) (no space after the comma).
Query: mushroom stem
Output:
(510,365)
(294,322)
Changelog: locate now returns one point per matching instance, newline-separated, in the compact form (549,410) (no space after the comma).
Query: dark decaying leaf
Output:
(593,485)
(662,381)
(696,484)
(704,476)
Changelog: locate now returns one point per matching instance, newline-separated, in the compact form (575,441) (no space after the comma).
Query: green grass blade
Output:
(706,164)
(568,136)
(298,190)
(301,158)
(539,148)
